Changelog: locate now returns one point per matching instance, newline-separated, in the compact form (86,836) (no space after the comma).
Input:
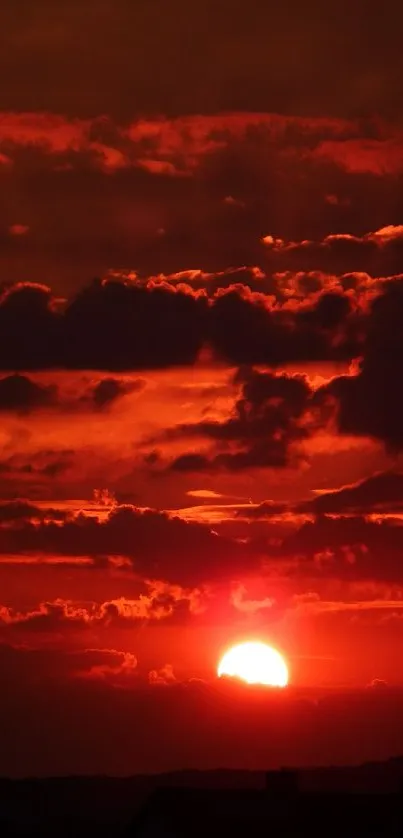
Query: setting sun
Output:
(255,663)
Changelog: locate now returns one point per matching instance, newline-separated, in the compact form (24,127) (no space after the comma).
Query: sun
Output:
(255,663)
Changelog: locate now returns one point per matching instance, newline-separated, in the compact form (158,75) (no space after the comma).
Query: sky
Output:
(201,353)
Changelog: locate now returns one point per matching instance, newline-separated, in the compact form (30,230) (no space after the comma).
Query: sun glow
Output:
(255,663)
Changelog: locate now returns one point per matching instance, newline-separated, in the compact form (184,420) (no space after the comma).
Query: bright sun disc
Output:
(255,663)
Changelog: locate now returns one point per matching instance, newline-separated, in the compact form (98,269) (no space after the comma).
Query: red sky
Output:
(201,435)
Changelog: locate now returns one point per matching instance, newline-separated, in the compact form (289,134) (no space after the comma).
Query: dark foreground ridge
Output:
(346,801)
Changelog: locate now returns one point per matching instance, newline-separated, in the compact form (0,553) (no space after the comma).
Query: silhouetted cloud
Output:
(109,390)
(157,544)
(379,493)
(349,547)
(17,392)
(370,403)
(125,324)
(18,510)
(160,601)
(267,420)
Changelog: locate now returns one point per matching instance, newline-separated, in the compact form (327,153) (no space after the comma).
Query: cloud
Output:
(161,601)
(266,509)
(378,684)
(55,135)
(351,540)
(55,666)
(18,510)
(204,494)
(379,495)
(267,422)
(370,403)
(381,492)
(163,676)
(130,323)
(351,534)
(176,147)
(173,175)
(117,669)
(108,390)
(36,336)
(157,544)
(192,462)
(40,465)
(19,393)
(349,548)
(50,616)
(379,156)
(240,601)
(379,253)
(22,394)
(312,604)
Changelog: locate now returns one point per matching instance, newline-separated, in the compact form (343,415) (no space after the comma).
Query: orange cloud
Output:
(240,601)
(311,603)
(380,157)
(165,675)
(118,665)
(160,603)
(176,147)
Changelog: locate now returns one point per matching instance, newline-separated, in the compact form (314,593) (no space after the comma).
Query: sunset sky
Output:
(201,352)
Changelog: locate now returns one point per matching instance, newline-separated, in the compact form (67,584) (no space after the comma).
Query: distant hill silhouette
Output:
(109,805)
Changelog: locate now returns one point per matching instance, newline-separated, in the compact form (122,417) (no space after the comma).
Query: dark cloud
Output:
(22,394)
(329,328)
(351,534)
(266,422)
(266,509)
(379,253)
(129,323)
(370,403)
(349,548)
(340,545)
(109,390)
(378,493)
(19,393)
(33,665)
(158,545)
(41,464)
(35,336)
(149,195)
(191,462)
(28,329)
(17,510)
(131,315)
(157,325)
